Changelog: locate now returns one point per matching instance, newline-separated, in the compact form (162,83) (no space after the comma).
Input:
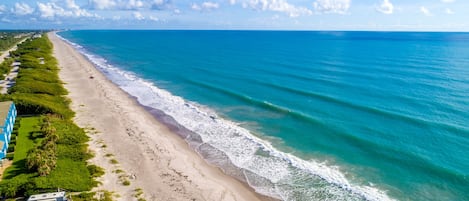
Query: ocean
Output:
(303,115)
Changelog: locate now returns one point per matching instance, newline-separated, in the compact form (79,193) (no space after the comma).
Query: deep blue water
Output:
(308,115)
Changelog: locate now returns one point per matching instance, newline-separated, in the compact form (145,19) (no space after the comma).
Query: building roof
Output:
(4,109)
(47,196)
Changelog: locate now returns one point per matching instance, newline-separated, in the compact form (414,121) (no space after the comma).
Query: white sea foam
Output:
(269,171)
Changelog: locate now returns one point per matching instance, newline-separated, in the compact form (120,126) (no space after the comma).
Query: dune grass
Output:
(51,149)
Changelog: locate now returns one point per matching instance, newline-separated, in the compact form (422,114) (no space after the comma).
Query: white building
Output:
(57,196)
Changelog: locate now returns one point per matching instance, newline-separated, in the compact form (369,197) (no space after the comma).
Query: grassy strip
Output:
(39,91)
(28,135)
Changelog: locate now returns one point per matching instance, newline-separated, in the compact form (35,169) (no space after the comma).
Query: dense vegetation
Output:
(51,151)
(5,67)
(9,38)
(38,89)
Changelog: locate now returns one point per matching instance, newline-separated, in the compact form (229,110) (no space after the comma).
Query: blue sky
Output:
(391,15)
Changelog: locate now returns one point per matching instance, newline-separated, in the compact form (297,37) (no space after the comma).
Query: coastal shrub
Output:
(95,170)
(75,152)
(69,133)
(11,149)
(29,75)
(9,156)
(92,196)
(41,104)
(5,67)
(56,154)
(85,196)
(17,185)
(43,159)
(38,87)
(69,174)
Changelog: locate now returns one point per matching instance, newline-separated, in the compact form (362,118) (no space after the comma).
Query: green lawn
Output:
(29,135)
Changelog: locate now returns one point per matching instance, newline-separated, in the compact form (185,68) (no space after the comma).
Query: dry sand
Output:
(149,155)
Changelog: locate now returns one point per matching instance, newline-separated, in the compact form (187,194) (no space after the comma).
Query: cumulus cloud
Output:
(102,4)
(425,11)
(386,7)
(447,1)
(22,9)
(449,11)
(177,11)
(138,16)
(153,18)
(133,4)
(51,10)
(205,6)
(332,6)
(209,5)
(160,4)
(278,6)
(232,2)
(76,10)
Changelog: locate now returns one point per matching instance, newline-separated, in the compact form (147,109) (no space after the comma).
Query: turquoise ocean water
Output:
(307,115)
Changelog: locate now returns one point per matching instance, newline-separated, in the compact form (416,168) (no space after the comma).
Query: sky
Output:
(378,15)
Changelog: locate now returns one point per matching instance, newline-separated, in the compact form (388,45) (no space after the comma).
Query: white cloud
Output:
(152,18)
(425,11)
(232,2)
(22,9)
(332,6)
(177,11)
(447,1)
(449,11)
(278,6)
(3,8)
(134,4)
(210,5)
(138,16)
(102,4)
(196,7)
(72,5)
(386,7)
(76,10)
(205,6)
(50,10)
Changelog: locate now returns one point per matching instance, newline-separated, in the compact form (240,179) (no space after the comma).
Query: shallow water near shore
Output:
(307,115)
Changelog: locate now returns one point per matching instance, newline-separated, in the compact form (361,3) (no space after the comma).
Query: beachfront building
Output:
(56,196)
(7,119)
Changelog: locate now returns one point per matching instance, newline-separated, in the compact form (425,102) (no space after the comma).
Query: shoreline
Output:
(152,156)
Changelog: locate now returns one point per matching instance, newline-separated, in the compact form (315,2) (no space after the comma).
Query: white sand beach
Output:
(149,155)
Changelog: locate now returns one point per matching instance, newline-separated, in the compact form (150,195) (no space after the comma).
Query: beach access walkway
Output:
(9,80)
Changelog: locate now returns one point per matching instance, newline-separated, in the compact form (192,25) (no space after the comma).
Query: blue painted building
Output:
(7,120)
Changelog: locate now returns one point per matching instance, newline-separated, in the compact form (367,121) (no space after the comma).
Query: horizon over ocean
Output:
(307,115)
